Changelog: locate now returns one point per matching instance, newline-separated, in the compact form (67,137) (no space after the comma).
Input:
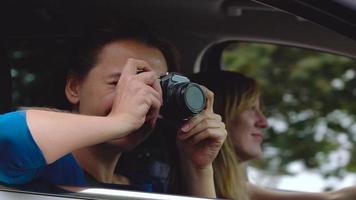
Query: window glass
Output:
(38,71)
(308,97)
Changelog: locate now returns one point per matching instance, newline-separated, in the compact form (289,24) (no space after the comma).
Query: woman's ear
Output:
(72,89)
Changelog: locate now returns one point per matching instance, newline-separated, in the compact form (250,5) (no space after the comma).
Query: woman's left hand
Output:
(200,139)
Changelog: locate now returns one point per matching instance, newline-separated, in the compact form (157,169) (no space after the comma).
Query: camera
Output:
(182,99)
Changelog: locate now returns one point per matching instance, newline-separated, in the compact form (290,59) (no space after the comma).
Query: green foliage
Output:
(311,94)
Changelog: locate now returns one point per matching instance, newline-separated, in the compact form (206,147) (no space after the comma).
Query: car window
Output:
(308,97)
(38,71)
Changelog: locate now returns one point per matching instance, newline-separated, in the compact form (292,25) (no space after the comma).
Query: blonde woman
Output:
(237,100)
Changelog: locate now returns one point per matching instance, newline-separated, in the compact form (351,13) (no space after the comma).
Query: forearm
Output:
(58,134)
(260,193)
(348,193)
(198,182)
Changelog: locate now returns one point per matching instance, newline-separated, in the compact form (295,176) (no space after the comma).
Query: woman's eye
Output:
(113,83)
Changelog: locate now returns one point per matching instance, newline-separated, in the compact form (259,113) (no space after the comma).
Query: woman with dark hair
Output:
(104,82)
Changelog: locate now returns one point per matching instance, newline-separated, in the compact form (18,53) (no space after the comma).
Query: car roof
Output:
(337,15)
(194,25)
(200,29)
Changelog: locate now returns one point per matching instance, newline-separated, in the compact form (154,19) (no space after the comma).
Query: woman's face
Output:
(247,134)
(95,94)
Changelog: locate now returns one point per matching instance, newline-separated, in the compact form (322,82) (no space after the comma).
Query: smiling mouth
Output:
(257,137)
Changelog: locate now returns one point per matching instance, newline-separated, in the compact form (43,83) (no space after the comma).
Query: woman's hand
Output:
(200,139)
(137,102)
(199,142)
(139,95)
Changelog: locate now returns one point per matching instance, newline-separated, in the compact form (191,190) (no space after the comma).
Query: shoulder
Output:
(14,117)
(12,125)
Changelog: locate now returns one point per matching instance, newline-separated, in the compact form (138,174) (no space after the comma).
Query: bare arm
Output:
(259,193)
(58,133)
(138,99)
(199,142)
(348,193)
(198,182)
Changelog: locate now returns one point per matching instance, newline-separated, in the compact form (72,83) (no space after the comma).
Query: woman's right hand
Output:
(138,95)
(137,100)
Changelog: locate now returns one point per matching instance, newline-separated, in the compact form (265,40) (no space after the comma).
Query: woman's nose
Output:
(262,120)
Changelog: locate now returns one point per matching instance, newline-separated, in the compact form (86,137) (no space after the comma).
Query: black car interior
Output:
(34,34)
(200,29)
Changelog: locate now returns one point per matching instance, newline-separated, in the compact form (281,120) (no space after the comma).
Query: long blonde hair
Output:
(234,93)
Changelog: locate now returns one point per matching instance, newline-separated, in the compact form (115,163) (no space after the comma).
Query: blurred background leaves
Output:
(308,97)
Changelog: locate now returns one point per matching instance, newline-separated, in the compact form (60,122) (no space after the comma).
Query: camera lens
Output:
(182,99)
(194,98)
(190,99)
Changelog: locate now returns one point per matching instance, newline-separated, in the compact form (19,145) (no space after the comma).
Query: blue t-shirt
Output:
(22,162)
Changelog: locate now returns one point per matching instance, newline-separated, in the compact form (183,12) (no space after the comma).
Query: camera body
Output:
(182,99)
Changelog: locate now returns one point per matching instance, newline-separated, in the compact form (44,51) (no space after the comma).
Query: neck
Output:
(99,161)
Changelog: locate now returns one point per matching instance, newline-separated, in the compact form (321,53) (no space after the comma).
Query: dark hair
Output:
(233,88)
(91,42)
